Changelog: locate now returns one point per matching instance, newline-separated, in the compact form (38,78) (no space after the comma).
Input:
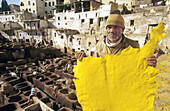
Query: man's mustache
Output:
(113,34)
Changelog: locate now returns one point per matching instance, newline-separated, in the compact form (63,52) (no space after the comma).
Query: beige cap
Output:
(115,19)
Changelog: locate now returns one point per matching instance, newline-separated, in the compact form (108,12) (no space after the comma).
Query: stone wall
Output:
(162,100)
(142,18)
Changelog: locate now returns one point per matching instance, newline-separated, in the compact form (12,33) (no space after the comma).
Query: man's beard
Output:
(115,43)
(113,37)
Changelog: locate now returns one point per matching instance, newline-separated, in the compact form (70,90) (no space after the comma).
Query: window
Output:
(87,49)
(45,4)
(15,40)
(33,11)
(65,23)
(62,37)
(45,11)
(70,39)
(20,34)
(65,18)
(55,34)
(78,7)
(78,48)
(79,43)
(89,43)
(96,14)
(82,20)
(92,53)
(49,4)
(91,21)
(29,3)
(33,4)
(22,4)
(100,19)
(29,9)
(86,6)
(38,25)
(131,22)
(27,40)
(58,18)
(58,23)
(53,3)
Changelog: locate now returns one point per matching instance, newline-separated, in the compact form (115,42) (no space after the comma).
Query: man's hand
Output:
(151,60)
(80,55)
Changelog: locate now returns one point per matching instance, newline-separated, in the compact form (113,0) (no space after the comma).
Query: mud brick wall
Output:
(162,99)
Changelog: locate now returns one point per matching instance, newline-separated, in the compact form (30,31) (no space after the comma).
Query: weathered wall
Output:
(48,8)
(81,21)
(162,100)
(10,26)
(142,18)
(36,7)
(7,17)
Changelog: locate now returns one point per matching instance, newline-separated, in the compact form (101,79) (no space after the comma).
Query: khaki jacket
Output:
(102,49)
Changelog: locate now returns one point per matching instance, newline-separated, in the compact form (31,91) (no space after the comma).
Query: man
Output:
(115,41)
(33,93)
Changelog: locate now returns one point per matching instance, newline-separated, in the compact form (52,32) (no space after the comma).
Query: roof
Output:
(152,24)
(64,4)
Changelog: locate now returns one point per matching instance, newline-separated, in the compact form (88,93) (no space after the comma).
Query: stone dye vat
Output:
(8,107)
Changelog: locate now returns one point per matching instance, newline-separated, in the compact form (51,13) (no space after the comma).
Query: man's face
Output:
(114,32)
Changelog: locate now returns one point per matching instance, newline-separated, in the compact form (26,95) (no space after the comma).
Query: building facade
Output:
(33,31)
(7,16)
(38,7)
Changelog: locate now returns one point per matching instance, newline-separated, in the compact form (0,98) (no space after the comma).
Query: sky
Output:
(11,2)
